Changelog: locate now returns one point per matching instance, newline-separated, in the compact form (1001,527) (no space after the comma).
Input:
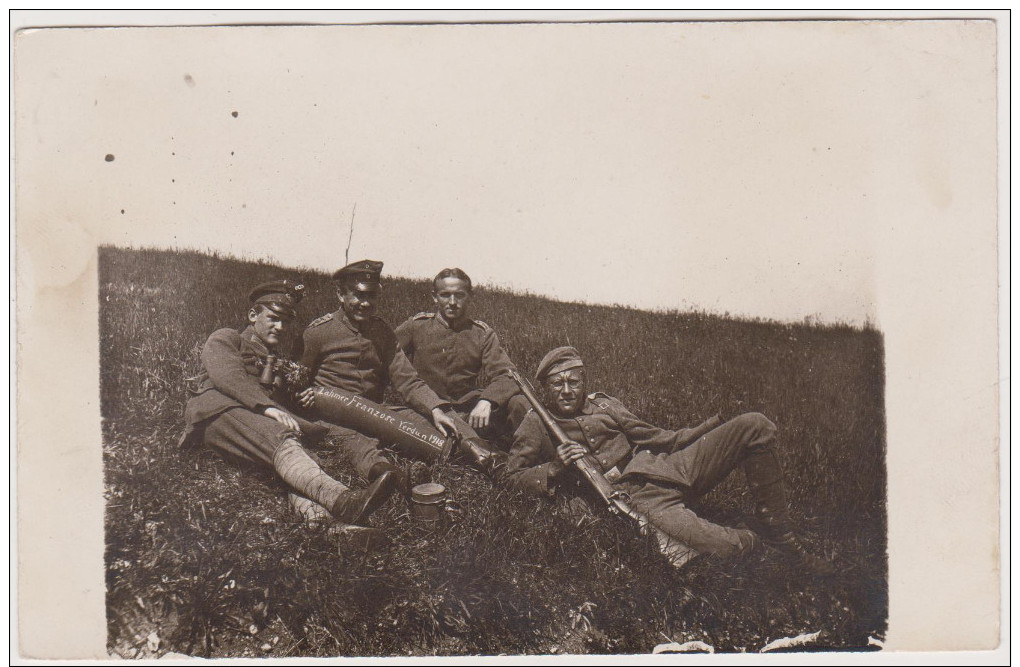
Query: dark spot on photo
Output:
(109,157)
(234,114)
(188,79)
(122,211)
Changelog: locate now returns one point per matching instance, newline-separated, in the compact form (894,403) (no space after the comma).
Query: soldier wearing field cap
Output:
(661,470)
(355,350)
(462,360)
(237,411)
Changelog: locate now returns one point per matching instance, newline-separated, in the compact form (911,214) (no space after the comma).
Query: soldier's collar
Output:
(466,323)
(248,335)
(341,316)
(588,408)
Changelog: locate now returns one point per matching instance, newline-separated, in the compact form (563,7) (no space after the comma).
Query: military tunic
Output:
(463,363)
(660,469)
(226,412)
(364,361)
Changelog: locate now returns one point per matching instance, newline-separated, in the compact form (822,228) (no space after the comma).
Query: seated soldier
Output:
(237,413)
(462,361)
(661,471)
(354,350)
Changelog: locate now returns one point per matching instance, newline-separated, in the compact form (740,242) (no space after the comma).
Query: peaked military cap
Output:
(558,360)
(364,275)
(279,296)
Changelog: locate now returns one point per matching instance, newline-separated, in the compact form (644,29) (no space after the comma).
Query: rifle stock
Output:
(615,500)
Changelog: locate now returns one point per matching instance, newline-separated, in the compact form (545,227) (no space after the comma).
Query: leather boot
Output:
(356,506)
(772,512)
(402,483)
(487,459)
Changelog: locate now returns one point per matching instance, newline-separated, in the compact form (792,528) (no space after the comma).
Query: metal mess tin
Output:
(428,501)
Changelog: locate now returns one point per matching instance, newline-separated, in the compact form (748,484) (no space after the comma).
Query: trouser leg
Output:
(503,421)
(241,433)
(746,441)
(664,508)
(482,454)
(296,467)
(706,462)
(516,409)
(361,450)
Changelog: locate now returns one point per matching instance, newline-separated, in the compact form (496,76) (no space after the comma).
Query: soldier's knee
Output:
(517,408)
(757,423)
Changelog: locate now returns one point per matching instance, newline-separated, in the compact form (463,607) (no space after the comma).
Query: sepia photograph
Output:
(507,337)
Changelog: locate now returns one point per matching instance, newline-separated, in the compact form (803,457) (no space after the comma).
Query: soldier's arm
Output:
(533,466)
(640,433)
(221,357)
(309,352)
(412,388)
(405,337)
(495,364)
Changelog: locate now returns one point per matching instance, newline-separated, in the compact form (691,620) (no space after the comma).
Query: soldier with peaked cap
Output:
(355,350)
(661,470)
(237,412)
(462,360)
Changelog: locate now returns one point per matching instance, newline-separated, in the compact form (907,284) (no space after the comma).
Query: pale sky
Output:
(750,168)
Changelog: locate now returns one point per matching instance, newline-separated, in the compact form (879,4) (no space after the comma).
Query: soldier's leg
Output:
(308,509)
(516,409)
(477,449)
(262,437)
(363,451)
(707,461)
(747,441)
(664,507)
(240,433)
(366,456)
(504,421)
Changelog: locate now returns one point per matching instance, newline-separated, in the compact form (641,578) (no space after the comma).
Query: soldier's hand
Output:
(306,398)
(283,417)
(479,417)
(443,422)
(570,452)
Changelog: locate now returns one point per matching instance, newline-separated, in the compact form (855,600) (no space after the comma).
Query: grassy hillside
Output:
(207,558)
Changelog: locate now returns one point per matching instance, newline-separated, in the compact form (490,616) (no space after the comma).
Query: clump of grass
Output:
(207,553)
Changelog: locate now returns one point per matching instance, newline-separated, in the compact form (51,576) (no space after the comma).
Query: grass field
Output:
(205,558)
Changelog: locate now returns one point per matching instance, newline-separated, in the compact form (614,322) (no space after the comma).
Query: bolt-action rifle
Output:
(616,500)
(673,549)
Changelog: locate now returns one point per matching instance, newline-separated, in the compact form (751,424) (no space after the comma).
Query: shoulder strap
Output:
(320,320)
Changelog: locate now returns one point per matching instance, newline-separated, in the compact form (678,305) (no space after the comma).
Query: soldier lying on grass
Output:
(659,470)
(235,413)
(462,360)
